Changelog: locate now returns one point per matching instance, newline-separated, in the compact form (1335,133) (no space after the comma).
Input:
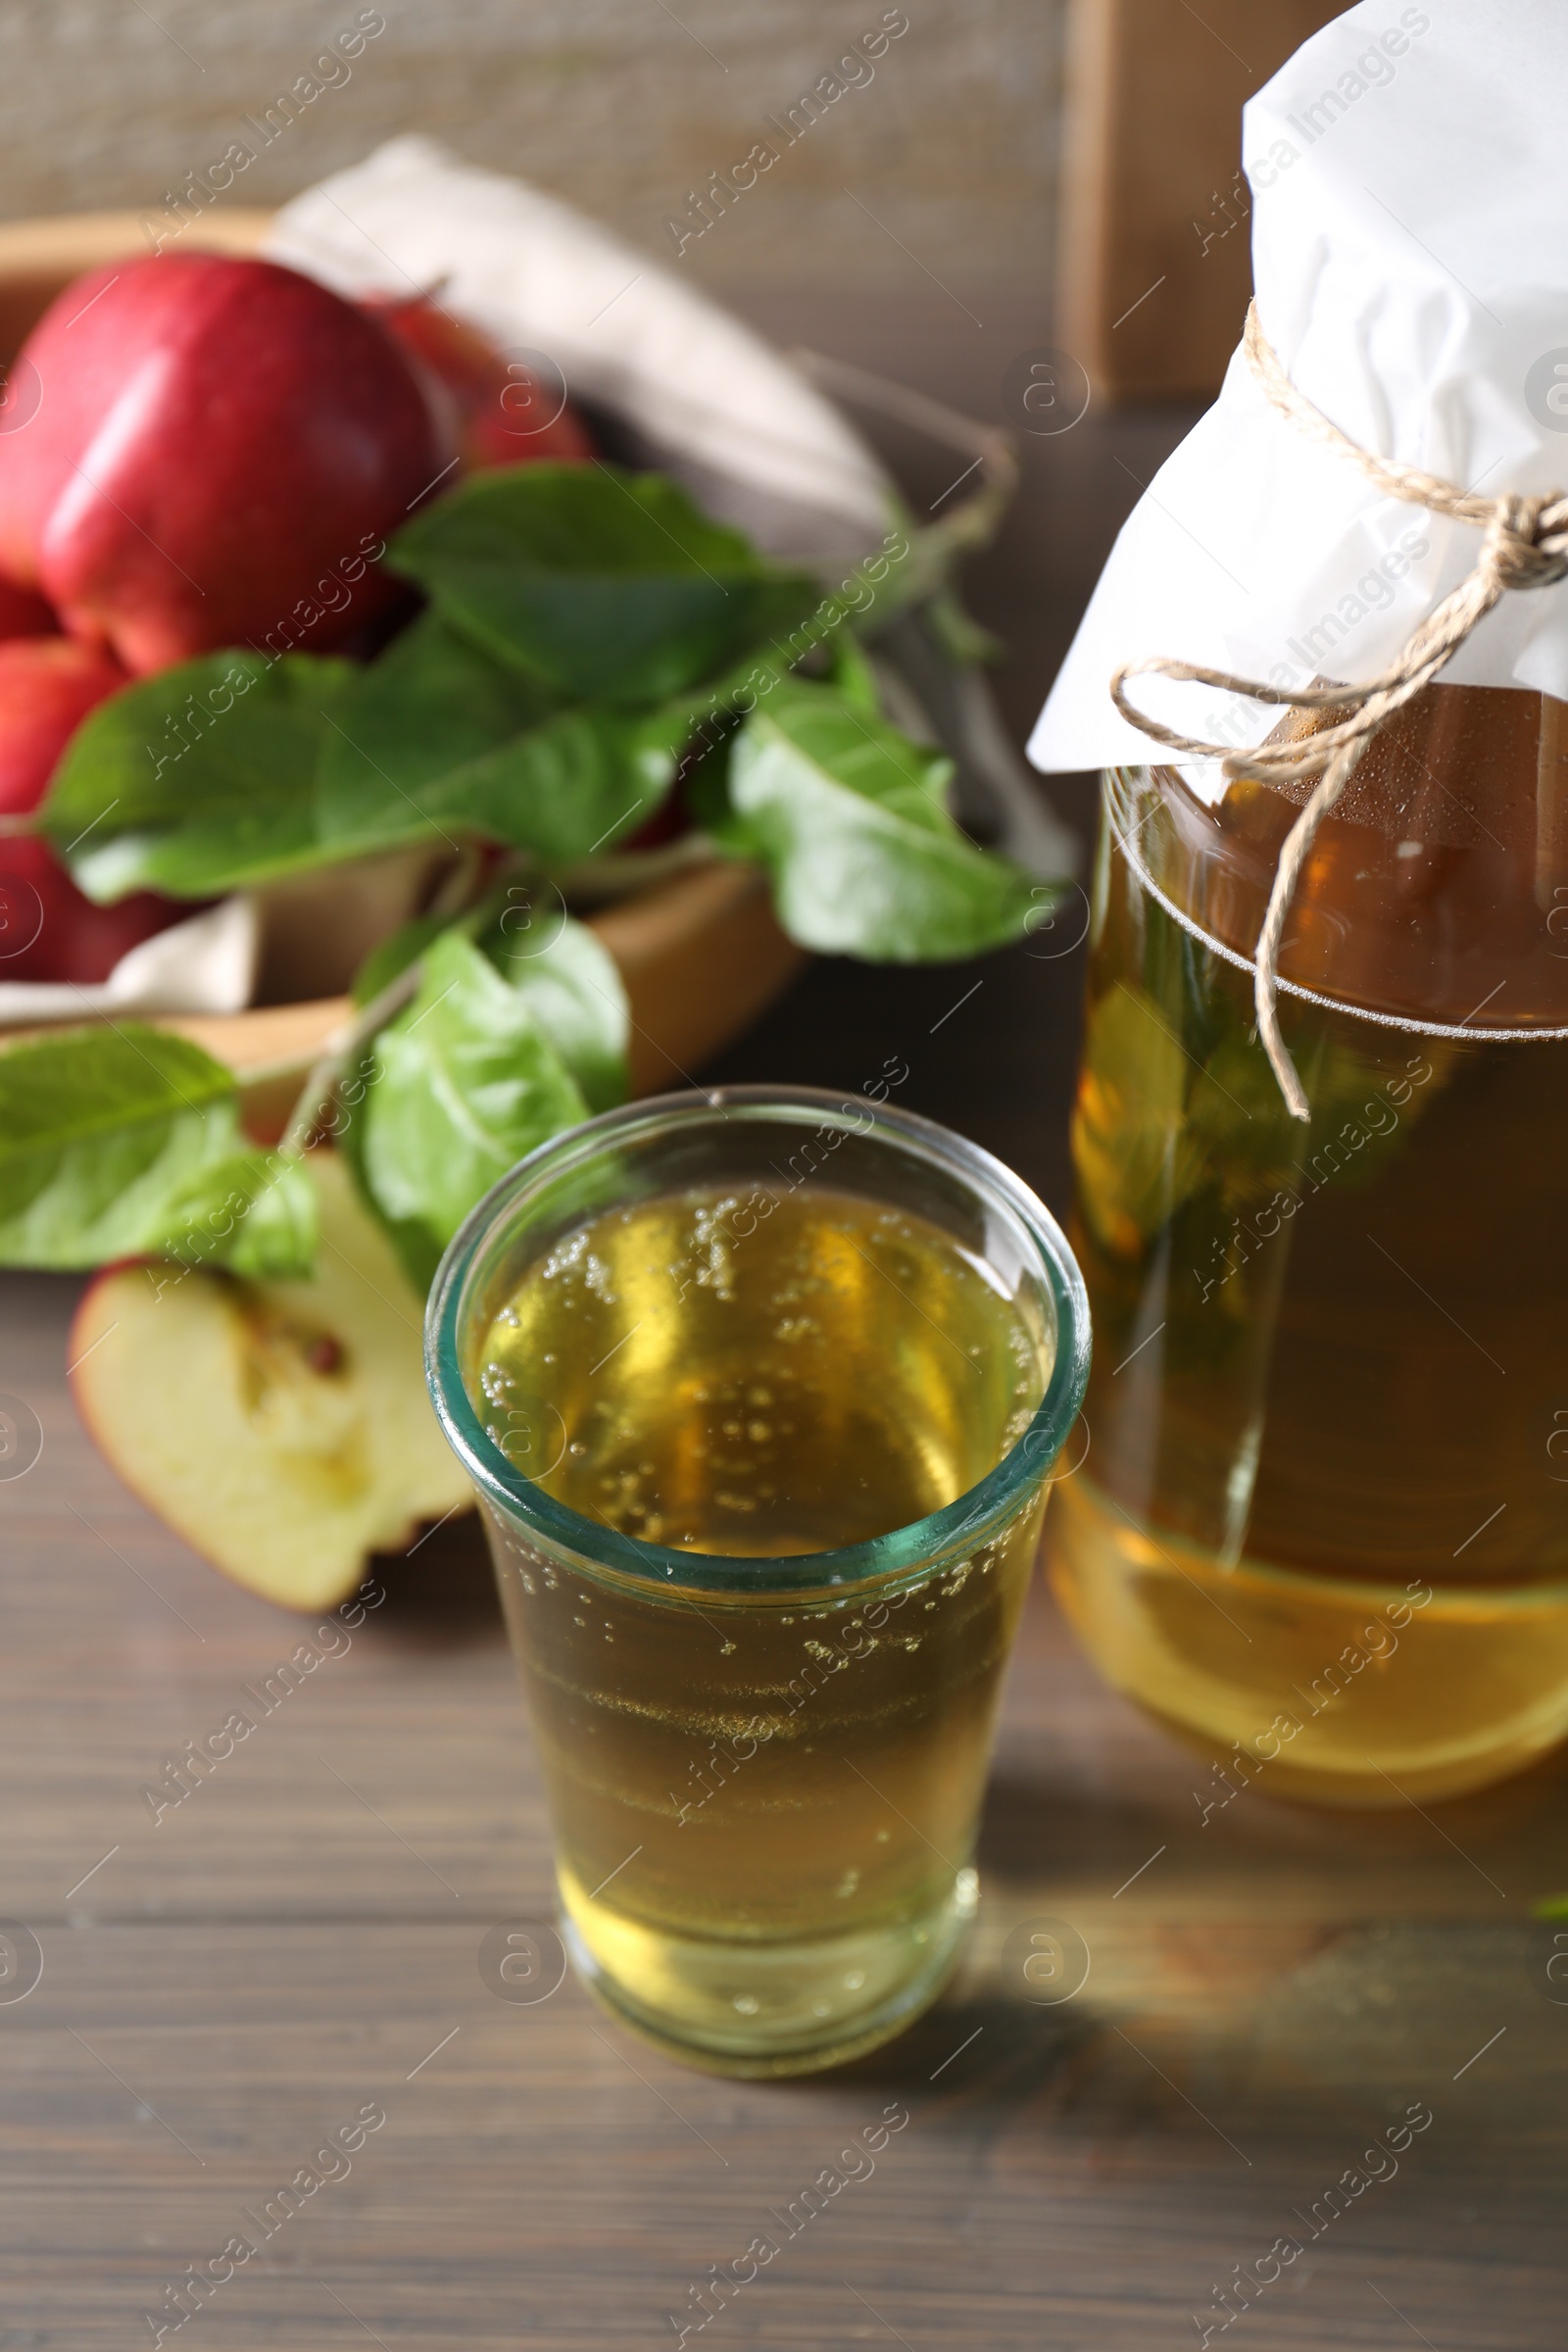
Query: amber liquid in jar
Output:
(1323,1524)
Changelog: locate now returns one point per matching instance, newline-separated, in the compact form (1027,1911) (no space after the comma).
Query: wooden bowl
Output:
(700,952)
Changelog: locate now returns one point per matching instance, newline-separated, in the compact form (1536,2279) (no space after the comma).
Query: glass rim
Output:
(665,1568)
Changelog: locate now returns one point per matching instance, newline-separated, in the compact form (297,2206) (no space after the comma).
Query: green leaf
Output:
(848,815)
(126,1141)
(462,1086)
(311,762)
(348,1126)
(555,966)
(304,763)
(430,704)
(573,993)
(854,678)
(254,1213)
(203,779)
(598,584)
(457,740)
(579,783)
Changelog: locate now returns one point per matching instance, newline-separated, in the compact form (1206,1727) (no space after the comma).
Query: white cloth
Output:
(709,401)
(204,965)
(1410,254)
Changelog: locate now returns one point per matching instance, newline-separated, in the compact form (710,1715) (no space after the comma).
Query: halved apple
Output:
(282,1428)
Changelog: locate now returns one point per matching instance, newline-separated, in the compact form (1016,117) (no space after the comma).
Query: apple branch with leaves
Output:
(588,638)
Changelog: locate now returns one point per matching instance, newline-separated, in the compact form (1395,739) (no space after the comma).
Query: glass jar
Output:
(1322,1529)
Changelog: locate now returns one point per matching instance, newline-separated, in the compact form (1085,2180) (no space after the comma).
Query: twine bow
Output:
(1525,545)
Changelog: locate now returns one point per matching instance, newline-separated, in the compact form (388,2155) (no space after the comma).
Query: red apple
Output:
(506,414)
(48,931)
(220,449)
(24,615)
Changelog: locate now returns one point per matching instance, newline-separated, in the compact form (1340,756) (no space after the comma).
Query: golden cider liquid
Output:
(764,1801)
(1323,1523)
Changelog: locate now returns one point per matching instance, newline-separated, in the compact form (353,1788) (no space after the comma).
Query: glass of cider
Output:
(761,1391)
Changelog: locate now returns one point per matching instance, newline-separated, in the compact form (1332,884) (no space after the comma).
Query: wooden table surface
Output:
(298,1942)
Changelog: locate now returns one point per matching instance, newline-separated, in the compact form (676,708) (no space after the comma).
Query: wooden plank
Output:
(1154,258)
(299,1940)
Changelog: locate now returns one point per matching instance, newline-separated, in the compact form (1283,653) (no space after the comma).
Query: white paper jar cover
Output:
(1410,256)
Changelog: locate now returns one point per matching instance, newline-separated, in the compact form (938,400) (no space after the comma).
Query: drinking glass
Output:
(765,1761)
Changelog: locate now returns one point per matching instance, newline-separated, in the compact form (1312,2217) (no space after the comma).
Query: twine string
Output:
(1524,545)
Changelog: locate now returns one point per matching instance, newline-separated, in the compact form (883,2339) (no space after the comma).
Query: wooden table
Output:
(298,1942)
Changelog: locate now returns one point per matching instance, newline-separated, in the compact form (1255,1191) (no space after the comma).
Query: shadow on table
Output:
(1298,1979)
(441,1594)
(1465,1856)
(976,2048)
